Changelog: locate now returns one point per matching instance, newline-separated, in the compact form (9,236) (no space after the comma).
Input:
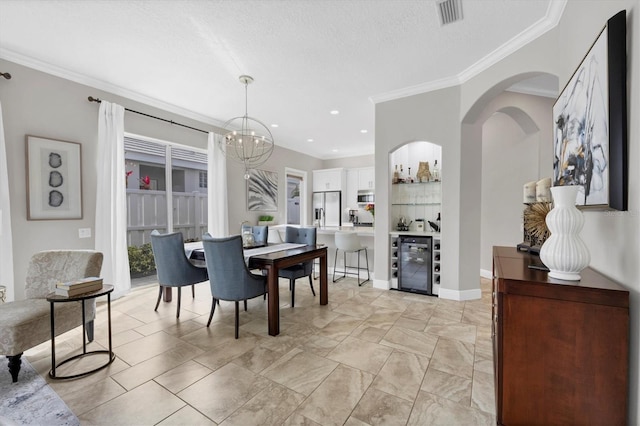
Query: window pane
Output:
(146,189)
(189,197)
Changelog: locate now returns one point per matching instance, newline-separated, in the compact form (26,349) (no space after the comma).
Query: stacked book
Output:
(80,286)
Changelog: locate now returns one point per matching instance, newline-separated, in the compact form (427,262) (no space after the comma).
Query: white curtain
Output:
(111,209)
(218,220)
(6,241)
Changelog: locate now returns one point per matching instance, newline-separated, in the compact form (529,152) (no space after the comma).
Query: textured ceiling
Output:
(307,57)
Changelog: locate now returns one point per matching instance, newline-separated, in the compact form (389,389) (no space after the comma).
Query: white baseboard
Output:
(442,292)
(446,293)
(486,274)
(381,284)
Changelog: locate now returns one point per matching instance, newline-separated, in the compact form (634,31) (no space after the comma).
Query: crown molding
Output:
(415,90)
(548,22)
(104,86)
(534,92)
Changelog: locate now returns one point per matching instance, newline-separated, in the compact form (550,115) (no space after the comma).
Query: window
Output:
(203,179)
(166,189)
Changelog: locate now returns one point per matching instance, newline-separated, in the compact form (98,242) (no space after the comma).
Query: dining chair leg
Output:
(292,286)
(213,309)
(193,291)
(245,305)
(159,297)
(311,284)
(179,298)
(237,319)
(335,263)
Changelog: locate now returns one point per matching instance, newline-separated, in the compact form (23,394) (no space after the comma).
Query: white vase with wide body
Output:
(564,252)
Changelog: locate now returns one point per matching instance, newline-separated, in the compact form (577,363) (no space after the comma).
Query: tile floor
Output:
(371,357)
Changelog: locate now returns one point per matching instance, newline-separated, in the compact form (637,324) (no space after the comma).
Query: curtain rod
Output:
(92,99)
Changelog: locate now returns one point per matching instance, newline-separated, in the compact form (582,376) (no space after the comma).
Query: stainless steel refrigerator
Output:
(327,208)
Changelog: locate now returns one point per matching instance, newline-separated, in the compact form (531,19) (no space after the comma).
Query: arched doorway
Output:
(516,129)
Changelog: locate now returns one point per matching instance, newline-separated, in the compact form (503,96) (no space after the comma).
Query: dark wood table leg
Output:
(166,294)
(274,300)
(324,291)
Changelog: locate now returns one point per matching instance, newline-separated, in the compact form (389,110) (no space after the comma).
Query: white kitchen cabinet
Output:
(352,189)
(329,180)
(366,178)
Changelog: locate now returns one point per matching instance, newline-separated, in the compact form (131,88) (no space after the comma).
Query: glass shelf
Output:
(418,183)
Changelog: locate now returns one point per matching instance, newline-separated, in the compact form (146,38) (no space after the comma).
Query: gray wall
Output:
(612,237)
(430,117)
(349,162)
(513,153)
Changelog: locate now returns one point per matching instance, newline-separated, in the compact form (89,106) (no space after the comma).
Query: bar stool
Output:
(349,242)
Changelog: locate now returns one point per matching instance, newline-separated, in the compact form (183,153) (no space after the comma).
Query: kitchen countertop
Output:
(364,231)
(422,234)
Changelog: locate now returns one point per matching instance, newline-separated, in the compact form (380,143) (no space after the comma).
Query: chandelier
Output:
(247,141)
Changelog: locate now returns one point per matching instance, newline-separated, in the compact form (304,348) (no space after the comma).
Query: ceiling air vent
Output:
(449,11)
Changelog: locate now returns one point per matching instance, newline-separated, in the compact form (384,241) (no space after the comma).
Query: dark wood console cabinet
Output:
(560,348)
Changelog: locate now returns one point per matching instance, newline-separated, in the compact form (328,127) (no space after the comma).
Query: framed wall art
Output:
(54,179)
(262,191)
(590,123)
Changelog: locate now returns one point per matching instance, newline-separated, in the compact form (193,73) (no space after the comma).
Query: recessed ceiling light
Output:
(274,125)
(334,150)
(309,140)
(363,131)
(335,112)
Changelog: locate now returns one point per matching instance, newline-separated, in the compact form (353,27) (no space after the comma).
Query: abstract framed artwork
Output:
(54,179)
(262,191)
(590,123)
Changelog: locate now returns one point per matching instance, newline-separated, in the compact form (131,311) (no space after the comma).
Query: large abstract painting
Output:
(262,191)
(54,179)
(590,140)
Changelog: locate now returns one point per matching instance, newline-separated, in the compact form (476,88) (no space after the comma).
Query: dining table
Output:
(272,258)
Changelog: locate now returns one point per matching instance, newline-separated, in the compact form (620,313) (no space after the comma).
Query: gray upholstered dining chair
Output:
(260,234)
(174,269)
(229,276)
(301,236)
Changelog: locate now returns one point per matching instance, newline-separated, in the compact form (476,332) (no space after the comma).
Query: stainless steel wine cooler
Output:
(414,264)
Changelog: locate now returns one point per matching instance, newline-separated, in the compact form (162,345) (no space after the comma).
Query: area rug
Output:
(30,401)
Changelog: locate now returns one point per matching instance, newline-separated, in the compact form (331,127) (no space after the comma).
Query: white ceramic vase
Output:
(564,252)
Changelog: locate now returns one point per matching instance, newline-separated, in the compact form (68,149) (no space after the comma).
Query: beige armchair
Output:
(26,323)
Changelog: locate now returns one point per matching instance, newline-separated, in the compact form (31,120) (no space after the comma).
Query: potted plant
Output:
(266,220)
